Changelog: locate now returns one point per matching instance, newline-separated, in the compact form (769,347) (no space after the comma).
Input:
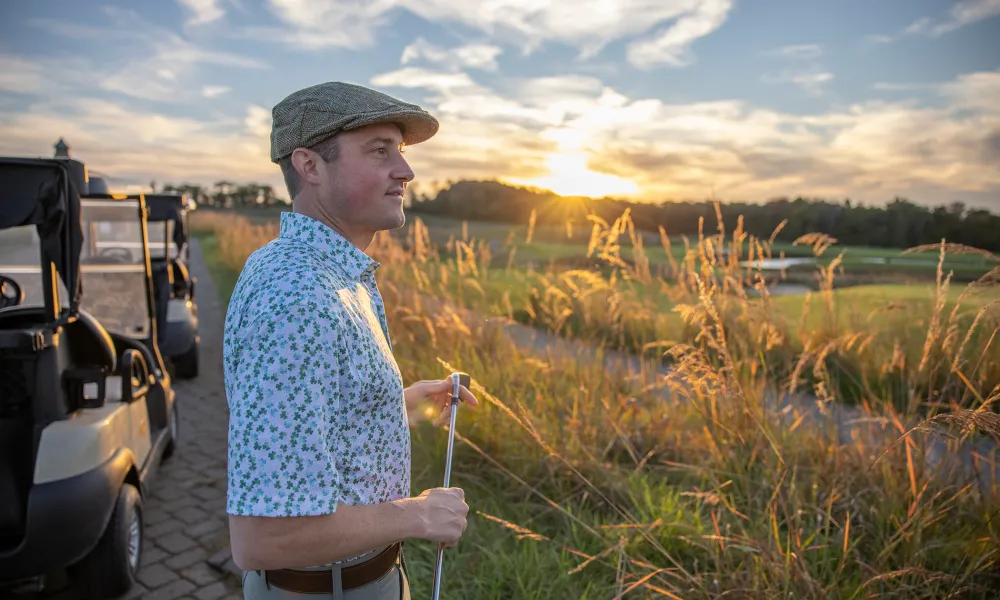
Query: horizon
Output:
(670,101)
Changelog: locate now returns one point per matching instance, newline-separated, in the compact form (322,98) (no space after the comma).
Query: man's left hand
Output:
(428,396)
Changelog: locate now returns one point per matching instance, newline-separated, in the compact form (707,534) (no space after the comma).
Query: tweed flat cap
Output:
(315,113)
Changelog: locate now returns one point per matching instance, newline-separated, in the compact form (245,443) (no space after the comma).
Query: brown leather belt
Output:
(321,582)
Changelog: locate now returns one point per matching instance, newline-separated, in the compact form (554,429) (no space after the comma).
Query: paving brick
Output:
(186,559)
(152,555)
(200,574)
(156,575)
(176,543)
(155,517)
(172,591)
(212,592)
(208,526)
(191,515)
(166,492)
(183,503)
(209,493)
(165,528)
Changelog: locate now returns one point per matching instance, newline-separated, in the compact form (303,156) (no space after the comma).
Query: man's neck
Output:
(312,209)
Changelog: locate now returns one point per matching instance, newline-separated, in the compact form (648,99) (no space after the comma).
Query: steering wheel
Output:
(11,293)
(119,255)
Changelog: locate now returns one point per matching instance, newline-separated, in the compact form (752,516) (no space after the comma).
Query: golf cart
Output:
(173,286)
(87,411)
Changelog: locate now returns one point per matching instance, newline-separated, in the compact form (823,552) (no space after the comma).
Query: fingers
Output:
(466,396)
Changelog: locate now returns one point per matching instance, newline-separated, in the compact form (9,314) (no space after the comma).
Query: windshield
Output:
(20,258)
(113,267)
(161,240)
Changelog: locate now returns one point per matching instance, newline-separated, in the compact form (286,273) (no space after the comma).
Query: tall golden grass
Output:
(596,483)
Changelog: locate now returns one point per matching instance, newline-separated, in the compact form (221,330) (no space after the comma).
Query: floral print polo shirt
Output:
(315,397)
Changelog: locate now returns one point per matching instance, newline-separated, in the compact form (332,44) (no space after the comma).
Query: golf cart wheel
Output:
(174,425)
(110,569)
(186,365)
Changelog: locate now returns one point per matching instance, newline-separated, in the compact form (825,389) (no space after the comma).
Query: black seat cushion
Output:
(182,277)
(89,343)
(162,291)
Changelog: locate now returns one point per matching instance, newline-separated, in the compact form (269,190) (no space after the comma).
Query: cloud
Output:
(160,65)
(811,81)
(476,56)
(136,145)
(869,151)
(671,47)
(798,51)
(961,14)
(588,25)
(258,121)
(214,91)
(966,13)
(203,11)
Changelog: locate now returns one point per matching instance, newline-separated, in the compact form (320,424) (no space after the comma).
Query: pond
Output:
(778,264)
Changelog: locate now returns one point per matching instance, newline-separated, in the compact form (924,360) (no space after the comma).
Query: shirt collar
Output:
(335,247)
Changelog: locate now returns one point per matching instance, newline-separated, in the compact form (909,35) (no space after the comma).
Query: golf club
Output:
(457,380)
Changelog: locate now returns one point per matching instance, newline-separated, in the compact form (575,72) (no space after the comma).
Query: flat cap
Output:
(310,115)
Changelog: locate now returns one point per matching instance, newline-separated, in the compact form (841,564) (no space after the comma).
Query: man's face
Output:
(364,187)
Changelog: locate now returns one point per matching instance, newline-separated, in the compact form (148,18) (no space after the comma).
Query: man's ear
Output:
(306,165)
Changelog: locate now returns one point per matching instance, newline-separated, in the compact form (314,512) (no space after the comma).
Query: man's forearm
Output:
(294,542)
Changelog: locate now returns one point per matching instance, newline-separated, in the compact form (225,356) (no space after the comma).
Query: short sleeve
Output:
(283,399)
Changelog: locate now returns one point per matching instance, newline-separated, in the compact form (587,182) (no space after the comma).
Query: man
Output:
(319,447)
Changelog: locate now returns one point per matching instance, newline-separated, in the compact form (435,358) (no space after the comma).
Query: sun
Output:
(569,176)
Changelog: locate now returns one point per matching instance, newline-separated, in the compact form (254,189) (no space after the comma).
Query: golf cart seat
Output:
(181,276)
(89,346)
(163,285)
(88,342)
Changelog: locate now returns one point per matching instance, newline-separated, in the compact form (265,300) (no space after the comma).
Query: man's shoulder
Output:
(281,278)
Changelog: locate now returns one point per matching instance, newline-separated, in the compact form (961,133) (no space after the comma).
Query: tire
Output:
(174,427)
(109,571)
(186,365)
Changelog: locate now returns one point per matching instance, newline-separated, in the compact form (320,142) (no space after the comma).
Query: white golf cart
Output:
(173,285)
(87,411)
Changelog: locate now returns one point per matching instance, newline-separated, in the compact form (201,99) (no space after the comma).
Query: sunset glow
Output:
(570,176)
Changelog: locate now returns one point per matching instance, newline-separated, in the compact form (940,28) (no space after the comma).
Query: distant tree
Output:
(900,224)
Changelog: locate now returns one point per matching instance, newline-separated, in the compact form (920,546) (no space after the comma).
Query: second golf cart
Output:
(173,285)
(87,411)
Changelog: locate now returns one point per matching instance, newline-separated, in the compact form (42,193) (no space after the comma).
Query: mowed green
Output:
(588,483)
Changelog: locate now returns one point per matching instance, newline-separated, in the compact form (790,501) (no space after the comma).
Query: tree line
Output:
(226,194)
(899,224)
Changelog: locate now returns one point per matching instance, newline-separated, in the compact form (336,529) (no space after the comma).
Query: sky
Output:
(653,100)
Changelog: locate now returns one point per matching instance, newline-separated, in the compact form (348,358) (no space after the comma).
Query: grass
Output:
(566,246)
(590,483)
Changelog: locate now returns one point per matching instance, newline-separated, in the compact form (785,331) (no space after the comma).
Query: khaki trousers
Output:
(394,585)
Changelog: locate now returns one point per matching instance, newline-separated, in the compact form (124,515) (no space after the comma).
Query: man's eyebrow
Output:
(385,140)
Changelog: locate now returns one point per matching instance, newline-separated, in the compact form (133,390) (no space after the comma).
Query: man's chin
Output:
(394,221)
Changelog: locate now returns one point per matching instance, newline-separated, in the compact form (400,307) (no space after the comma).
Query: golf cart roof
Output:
(45,192)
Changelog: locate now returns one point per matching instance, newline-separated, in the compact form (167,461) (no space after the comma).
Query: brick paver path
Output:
(186,512)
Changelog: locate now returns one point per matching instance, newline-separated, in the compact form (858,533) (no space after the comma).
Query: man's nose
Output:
(402,170)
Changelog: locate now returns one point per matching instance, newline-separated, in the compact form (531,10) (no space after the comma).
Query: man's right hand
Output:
(442,514)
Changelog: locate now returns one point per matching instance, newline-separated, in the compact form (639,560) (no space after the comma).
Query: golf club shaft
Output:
(447,476)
